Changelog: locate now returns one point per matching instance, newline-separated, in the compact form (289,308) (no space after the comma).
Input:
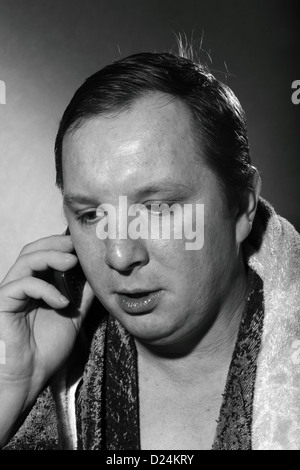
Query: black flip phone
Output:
(71,283)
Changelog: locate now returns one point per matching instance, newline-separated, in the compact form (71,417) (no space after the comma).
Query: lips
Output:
(139,302)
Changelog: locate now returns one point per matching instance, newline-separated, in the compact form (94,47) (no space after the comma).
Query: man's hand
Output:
(38,326)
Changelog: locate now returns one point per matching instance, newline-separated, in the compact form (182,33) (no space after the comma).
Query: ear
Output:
(247,211)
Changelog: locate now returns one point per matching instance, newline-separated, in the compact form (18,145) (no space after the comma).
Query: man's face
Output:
(160,291)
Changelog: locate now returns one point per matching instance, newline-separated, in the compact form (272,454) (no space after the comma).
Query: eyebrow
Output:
(70,199)
(166,187)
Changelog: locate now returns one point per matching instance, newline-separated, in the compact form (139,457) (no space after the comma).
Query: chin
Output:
(152,327)
(152,334)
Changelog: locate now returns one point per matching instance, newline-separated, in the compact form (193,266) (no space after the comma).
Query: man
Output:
(187,348)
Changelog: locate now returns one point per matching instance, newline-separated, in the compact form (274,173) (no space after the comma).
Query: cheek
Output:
(219,252)
(91,254)
(169,256)
(219,229)
(209,264)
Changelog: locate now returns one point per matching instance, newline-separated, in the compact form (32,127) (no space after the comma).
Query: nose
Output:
(125,255)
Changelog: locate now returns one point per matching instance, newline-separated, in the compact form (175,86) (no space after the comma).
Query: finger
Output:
(29,263)
(54,242)
(14,295)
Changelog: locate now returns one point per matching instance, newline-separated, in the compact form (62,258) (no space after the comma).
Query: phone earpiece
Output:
(71,283)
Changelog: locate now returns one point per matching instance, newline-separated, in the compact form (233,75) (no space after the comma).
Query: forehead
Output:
(152,139)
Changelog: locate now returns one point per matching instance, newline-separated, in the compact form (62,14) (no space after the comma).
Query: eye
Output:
(90,217)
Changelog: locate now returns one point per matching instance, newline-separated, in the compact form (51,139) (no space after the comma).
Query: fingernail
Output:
(63,299)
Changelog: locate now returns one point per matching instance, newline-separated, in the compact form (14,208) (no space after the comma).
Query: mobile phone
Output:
(71,283)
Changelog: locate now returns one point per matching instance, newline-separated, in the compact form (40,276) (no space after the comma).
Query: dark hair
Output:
(218,118)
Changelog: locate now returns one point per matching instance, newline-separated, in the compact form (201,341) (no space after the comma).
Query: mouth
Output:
(139,302)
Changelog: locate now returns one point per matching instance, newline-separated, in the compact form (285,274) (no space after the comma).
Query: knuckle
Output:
(26,248)
(25,280)
(22,259)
